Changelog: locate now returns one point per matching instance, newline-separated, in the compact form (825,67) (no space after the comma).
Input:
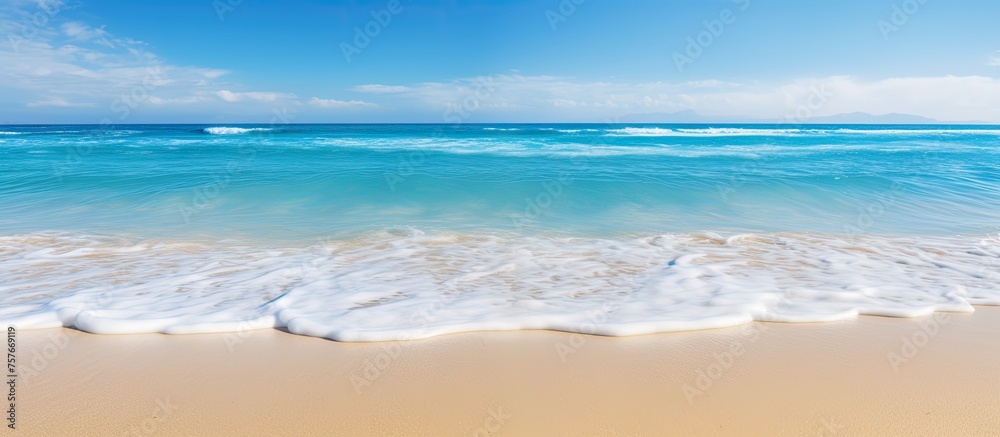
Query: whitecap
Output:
(705,132)
(233,130)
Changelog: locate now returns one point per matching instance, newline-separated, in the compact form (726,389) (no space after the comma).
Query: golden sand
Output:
(938,375)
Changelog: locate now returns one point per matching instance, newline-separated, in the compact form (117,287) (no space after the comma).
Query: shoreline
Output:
(870,376)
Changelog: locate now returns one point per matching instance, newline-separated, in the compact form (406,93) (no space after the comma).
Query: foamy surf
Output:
(233,130)
(535,229)
(786,132)
(386,286)
(704,132)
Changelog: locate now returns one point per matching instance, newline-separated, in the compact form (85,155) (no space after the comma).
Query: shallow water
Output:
(375,232)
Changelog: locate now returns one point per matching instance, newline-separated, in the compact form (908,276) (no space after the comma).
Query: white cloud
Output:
(213,73)
(711,83)
(59,62)
(234,97)
(83,32)
(58,102)
(380,89)
(177,101)
(329,103)
(74,64)
(546,98)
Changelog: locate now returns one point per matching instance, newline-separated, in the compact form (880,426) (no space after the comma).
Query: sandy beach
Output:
(937,375)
(500,218)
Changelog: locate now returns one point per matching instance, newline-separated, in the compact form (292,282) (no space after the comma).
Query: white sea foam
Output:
(917,131)
(9,133)
(737,131)
(532,148)
(387,286)
(233,130)
(704,132)
(723,131)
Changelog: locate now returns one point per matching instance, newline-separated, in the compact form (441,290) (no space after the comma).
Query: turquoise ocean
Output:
(390,232)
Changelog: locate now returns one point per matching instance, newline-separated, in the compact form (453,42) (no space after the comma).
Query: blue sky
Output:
(219,61)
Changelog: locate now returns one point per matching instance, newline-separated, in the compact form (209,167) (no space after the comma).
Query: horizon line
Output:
(501,123)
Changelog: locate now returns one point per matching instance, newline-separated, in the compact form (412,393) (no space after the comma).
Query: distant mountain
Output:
(690,116)
(866,118)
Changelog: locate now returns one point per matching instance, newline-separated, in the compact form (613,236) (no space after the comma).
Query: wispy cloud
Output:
(330,103)
(546,98)
(234,97)
(711,83)
(178,101)
(68,63)
(82,32)
(380,89)
(58,102)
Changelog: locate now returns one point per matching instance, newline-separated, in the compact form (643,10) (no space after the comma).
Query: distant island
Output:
(689,116)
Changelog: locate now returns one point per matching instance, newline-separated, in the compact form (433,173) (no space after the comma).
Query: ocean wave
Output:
(233,130)
(740,131)
(9,133)
(703,132)
(917,131)
(535,148)
(396,286)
